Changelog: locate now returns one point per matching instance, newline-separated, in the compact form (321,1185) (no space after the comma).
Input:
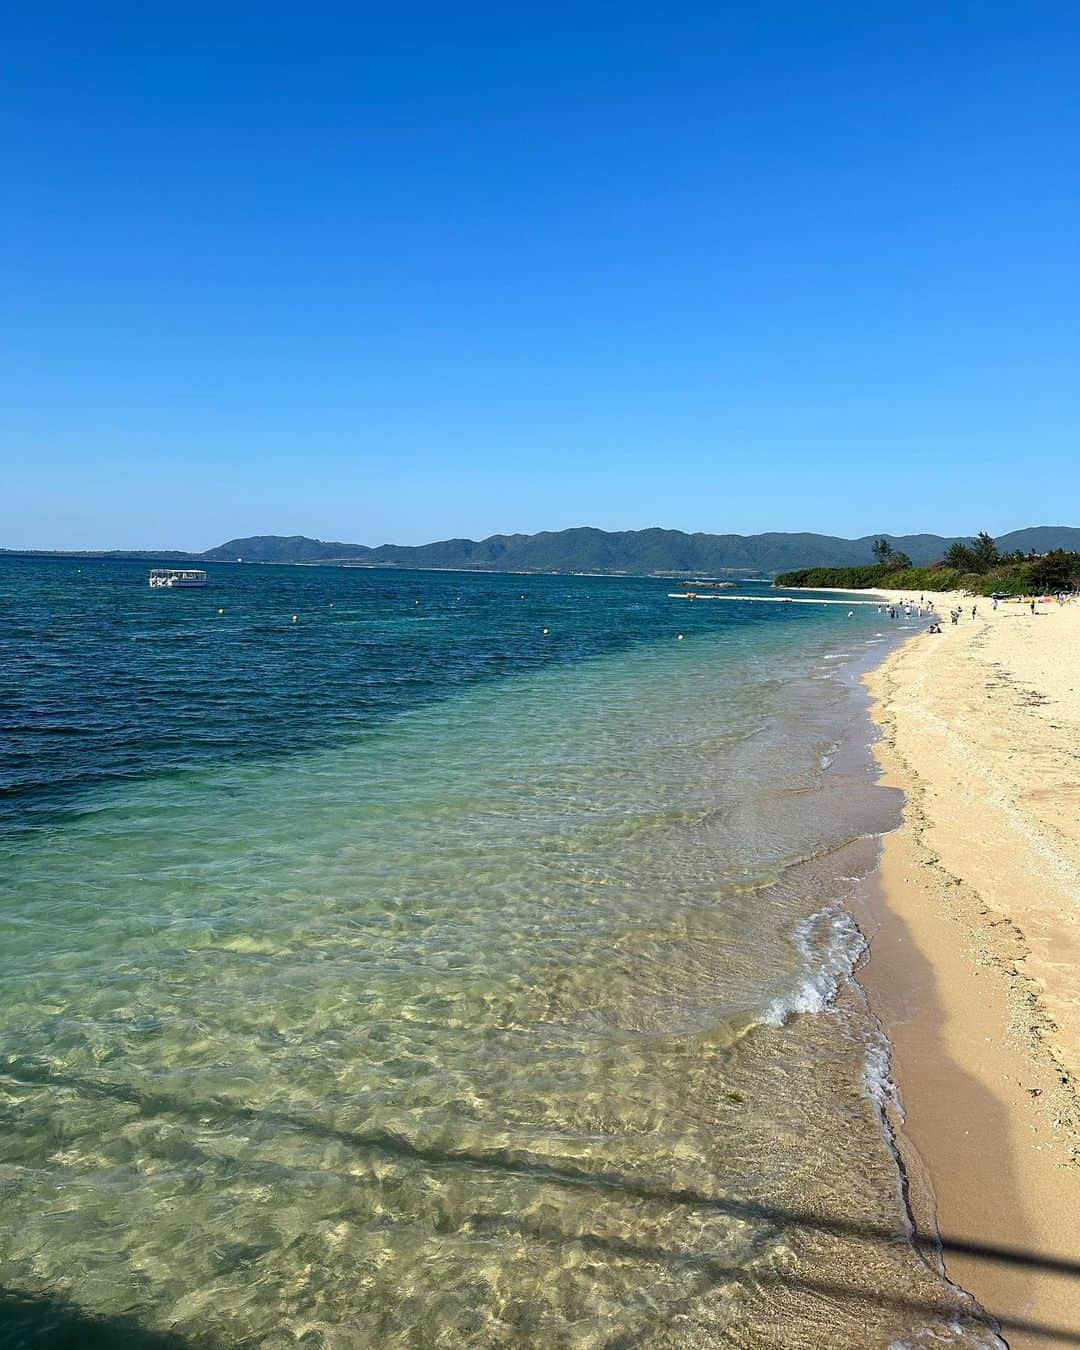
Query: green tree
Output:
(960,557)
(984,552)
(1058,571)
(882,550)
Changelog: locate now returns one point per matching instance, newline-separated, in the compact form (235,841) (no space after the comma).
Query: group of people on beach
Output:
(1062,598)
(918,609)
(909,609)
(956,613)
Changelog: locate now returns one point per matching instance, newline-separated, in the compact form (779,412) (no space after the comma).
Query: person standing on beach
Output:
(1033,606)
(973,611)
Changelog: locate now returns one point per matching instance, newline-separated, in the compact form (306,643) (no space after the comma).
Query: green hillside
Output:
(586,549)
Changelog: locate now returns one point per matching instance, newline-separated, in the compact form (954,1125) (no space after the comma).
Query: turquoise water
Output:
(405,975)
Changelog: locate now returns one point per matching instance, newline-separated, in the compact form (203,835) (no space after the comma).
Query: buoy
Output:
(680,637)
(851,613)
(545,632)
(294,618)
(221,611)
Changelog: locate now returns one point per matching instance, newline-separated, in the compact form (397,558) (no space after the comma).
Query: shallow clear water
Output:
(405,975)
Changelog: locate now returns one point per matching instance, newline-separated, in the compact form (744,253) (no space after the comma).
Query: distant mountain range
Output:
(589,550)
(636,551)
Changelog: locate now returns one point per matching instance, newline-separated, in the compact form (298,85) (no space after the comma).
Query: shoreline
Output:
(973,926)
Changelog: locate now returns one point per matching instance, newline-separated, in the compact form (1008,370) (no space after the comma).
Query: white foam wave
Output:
(953,1333)
(831,943)
(877,1079)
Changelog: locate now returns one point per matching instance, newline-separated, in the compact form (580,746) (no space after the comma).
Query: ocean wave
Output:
(877,1079)
(831,943)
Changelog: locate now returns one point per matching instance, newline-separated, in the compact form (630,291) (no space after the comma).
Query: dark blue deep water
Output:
(106,679)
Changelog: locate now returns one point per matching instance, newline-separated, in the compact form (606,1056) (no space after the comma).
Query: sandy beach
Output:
(975,949)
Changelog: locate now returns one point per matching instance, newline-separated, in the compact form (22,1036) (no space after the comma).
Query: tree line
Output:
(978,566)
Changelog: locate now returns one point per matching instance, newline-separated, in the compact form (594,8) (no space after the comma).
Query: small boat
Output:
(177,578)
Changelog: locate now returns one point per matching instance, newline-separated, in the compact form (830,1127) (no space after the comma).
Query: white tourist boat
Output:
(177,578)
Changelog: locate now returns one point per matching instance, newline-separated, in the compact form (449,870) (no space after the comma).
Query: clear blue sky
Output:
(401,272)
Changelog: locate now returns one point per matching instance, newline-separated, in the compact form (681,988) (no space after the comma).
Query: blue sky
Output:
(400,273)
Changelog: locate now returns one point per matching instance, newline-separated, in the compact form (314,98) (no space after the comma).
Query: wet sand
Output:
(975,949)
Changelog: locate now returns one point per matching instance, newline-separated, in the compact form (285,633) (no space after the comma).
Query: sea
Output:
(416,959)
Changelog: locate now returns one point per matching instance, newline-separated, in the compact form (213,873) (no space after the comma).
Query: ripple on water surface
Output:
(515,1011)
